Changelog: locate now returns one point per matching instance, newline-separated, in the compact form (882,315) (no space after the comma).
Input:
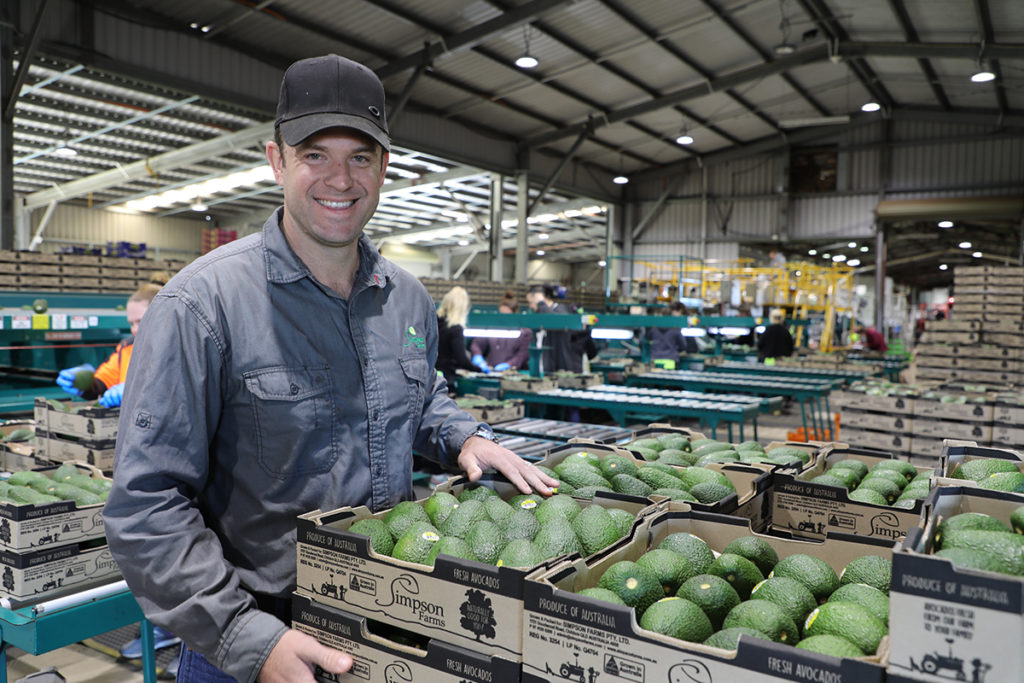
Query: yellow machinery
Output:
(803,288)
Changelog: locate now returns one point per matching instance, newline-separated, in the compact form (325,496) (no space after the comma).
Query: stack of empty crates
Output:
(49,272)
(983,342)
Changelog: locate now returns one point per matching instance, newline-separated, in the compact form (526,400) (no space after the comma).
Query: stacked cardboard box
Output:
(88,434)
(949,622)
(984,341)
(874,420)
(49,272)
(462,606)
(48,549)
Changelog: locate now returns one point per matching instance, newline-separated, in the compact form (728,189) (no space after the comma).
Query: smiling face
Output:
(331,184)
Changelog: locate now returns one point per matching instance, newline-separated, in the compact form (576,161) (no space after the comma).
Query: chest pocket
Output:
(294,420)
(417,378)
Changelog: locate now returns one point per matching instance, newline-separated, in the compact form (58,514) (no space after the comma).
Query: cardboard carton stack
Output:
(49,549)
(913,420)
(984,341)
(48,272)
(72,430)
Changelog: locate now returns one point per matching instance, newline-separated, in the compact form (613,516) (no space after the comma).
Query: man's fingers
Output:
(328,659)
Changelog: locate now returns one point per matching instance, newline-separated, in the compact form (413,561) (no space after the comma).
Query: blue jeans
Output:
(195,669)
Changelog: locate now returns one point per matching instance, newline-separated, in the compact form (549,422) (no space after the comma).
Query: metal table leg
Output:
(148,654)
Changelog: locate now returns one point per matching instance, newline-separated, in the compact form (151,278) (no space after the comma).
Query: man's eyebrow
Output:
(319,147)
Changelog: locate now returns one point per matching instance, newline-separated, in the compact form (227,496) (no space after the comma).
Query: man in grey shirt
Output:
(288,371)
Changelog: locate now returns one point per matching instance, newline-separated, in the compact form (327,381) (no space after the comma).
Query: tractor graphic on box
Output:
(935,662)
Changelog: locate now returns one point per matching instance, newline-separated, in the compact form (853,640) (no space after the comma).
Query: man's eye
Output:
(313,156)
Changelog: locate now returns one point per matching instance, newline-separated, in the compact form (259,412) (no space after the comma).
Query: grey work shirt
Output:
(256,394)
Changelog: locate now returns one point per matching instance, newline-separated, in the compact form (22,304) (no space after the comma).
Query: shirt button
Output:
(376,415)
(294,388)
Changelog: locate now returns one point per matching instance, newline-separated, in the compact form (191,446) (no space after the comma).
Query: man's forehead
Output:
(324,138)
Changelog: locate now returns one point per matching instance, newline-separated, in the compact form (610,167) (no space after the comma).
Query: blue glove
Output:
(479,361)
(501,367)
(66,378)
(111,398)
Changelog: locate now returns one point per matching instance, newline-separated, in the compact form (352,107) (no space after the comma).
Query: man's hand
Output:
(478,454)
(293,658)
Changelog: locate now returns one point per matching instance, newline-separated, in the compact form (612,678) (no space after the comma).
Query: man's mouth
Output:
(335,205)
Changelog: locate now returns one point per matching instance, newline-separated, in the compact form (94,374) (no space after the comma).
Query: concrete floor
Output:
(80,664)
(77,663)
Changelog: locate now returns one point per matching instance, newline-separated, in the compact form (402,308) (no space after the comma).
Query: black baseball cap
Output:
(327,92)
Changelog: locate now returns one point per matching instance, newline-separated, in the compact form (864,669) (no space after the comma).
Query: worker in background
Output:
(451,338)
(776,259)
(108,379)
(873,339)
(288,371)
(776,340)
(559,355)
(498,353)
(668,343)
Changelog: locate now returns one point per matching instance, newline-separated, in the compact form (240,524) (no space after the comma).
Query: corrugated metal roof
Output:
(638,70)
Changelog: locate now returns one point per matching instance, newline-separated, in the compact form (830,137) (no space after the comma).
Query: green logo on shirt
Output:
(412,339)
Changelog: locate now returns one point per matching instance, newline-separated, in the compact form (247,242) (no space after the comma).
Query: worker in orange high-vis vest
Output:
(108,378)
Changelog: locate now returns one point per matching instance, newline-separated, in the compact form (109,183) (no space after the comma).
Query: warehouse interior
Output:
(854,164)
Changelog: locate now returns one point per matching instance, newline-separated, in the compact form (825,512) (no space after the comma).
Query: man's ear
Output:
(275,157)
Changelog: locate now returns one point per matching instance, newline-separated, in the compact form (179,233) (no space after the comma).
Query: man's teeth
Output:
(335,205)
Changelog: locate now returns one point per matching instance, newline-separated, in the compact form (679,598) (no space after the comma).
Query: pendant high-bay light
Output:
(526,60)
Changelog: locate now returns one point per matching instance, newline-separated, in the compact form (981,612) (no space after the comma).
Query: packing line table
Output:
(73,618)
(801,390)
(561,430)
(767,404)
(525,446)
(837,377)
(620,405)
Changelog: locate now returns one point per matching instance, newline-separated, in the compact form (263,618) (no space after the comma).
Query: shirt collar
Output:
(284,265)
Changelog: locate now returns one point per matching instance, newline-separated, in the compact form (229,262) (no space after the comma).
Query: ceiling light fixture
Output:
(812,252)
(945,224)
(65,151)
(620,180)
(785,47)
(602,263)
(839,258)
(526,60)
(541,252)
(983,75)
(853,263)
(852,245)
(543,236)
(463,243)
(965,245)
(943,266)
(977,254)
(684,139)
(199,205)
(870,107)
(864,248)
(826,255)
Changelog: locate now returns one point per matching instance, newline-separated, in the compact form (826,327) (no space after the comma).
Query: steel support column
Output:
(880,257)
(497,255)
(522,227)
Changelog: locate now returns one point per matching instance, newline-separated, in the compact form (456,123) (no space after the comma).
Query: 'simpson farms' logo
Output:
(405,591)
(886,525)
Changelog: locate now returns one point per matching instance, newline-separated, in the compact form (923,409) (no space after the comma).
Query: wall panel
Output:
(164,237)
